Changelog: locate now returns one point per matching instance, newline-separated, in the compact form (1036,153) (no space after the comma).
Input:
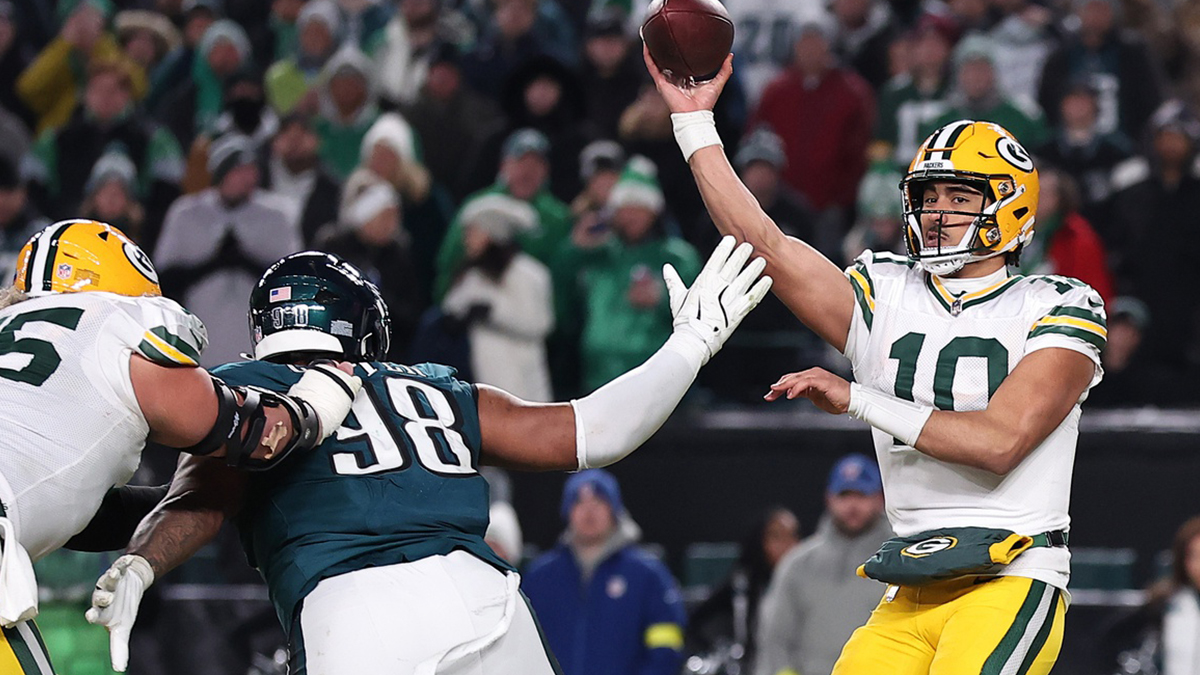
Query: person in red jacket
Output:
(824,113)
(1066,243)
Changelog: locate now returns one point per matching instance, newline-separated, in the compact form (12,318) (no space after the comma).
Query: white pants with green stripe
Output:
(974,626)
(22,651)
(450,614)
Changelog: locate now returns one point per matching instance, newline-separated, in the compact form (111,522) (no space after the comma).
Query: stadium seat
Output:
(706,564)
(1109,569)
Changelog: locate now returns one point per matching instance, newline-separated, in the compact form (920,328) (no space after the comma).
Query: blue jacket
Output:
(627,620)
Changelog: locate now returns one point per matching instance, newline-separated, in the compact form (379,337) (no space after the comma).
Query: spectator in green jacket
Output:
(609,282)
(291,81)
(524,170)
(977,96)
(348,108)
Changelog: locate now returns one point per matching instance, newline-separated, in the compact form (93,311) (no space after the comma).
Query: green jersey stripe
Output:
(1080,313)
(863,301)
(177,342)
(1087,336)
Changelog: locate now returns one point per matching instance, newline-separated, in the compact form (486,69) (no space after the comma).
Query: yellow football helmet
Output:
(71,256)
(986,156)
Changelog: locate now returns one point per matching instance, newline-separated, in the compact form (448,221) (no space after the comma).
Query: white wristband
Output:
(902,419)
(695,130)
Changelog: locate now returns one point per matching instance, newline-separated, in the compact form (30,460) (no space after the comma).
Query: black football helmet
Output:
(317,303)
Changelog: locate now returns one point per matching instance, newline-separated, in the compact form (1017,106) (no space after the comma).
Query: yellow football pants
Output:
(22,651)
(1004,625)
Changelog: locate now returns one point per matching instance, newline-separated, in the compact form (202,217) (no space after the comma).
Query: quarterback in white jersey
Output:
(971,379)
(93,363)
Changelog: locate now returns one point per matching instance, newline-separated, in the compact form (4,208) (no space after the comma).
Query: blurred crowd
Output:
(506,174)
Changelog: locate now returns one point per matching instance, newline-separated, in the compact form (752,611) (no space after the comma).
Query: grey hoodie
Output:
(815,601)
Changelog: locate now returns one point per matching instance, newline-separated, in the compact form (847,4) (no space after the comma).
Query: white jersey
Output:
(912,338)
(70,425)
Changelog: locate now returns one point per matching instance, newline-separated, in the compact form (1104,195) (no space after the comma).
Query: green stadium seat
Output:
(707,563)
(1109,569)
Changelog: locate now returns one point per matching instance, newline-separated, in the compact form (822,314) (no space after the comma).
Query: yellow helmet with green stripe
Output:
(72,256)
(985,155)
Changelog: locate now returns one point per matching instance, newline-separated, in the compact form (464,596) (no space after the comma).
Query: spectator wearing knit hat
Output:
(58,165)
(612,68)
(977,95)
(545,95)
(347,104)
(146,37)
(523,175)
(504,298)
(243,111)
(1155,202)
(827,154)
(176,67)
(449,110)
(612,293)
(1078,147)
(292,81)
(293,169)
(195,103)
(409,44)
(216,243)
(51,85)
(605,606)
(370,233)
(1102,50)
(916,96)
(600,166)
(110,195)
(391,150)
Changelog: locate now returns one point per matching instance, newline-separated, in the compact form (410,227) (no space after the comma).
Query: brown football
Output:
(688,38)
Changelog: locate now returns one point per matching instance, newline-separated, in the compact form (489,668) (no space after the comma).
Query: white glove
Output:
(721,296)
(330,392)
(115,603)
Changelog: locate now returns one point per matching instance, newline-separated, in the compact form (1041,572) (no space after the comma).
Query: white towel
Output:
(18,585)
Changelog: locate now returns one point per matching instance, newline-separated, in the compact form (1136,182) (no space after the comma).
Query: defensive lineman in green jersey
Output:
(387,473)
(372,544)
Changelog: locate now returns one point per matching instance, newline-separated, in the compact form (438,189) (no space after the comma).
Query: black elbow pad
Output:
(241,425)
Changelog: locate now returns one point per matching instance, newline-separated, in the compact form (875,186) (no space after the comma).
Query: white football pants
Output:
(450,615)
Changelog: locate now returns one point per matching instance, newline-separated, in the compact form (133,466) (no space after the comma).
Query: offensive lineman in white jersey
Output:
(971,379)
(93,364)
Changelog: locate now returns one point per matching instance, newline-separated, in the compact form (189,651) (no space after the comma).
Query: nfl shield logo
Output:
(64,271)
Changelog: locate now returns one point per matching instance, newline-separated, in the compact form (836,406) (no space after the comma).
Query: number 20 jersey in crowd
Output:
(912,338)
(70,424)
(398,482)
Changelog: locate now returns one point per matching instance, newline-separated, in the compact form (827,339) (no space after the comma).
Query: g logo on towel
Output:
(929,547)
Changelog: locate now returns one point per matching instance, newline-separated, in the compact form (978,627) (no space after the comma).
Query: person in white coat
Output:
(505,297)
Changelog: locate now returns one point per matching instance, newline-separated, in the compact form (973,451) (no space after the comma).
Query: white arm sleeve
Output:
(617,418)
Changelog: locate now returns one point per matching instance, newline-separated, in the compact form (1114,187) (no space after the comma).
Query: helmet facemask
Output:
(982,234)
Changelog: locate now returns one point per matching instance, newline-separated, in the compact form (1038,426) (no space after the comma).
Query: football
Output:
(688,38)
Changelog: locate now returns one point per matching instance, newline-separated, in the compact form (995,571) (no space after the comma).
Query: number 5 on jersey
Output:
(413,416)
